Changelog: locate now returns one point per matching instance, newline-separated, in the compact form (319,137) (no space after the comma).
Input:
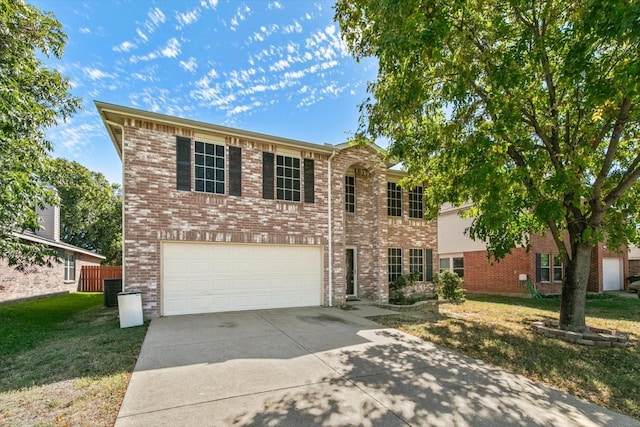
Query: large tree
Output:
(90,209)
(526,108)
(32,98)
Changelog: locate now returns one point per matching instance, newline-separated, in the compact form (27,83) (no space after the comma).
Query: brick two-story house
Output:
(221,219)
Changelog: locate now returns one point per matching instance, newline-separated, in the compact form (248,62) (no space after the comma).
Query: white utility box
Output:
(130,308)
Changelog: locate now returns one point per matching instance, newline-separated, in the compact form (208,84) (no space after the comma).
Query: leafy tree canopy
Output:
(32,98)
(90,209)
(528,109)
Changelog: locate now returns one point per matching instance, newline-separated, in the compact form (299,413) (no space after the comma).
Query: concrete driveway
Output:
(325,366)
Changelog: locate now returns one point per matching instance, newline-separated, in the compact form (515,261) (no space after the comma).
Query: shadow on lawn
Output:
(603,375)
(63,337)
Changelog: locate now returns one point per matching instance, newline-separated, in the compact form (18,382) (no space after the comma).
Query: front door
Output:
(351,271)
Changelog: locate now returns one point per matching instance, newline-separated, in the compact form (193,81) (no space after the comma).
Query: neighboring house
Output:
(634,260)
(541,263)
(61,277)
(220,219)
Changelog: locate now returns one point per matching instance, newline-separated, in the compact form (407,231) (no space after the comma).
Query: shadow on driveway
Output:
(323,366)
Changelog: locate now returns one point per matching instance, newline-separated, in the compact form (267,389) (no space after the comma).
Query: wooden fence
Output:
(91,276)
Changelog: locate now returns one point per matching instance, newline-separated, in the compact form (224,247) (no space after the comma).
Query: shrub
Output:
(448,286)
(396,288)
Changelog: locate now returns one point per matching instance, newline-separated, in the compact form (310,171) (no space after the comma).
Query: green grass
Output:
(496,329)
(65,359)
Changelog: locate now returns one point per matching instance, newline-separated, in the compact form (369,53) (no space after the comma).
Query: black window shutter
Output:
(538,268)
(235,171)
(183,163)
(429,255)
(267,175)
(309,181)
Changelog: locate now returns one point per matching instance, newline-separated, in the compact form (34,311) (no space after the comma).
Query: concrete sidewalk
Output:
(325,366)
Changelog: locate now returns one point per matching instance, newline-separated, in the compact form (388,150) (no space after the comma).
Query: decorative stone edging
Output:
(428,305)
(595,336)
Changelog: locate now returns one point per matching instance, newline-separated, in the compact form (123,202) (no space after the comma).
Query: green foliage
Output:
(32,98)
(397,288)
(526,109)
(90,211)
(448,285)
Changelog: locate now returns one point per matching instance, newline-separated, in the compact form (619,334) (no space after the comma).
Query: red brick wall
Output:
(502,276)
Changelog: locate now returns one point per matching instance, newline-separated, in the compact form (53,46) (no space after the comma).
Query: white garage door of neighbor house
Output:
(611,274)
(212,277)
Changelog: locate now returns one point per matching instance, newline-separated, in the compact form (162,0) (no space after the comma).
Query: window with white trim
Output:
(209,168)
(69,267)
(416,263)
(394,263)
(545,268)
(287,178)
(558,268)
(455,264)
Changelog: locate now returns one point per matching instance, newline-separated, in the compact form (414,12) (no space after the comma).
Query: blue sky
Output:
(275,67)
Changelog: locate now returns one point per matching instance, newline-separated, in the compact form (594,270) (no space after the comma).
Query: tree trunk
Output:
(574,289)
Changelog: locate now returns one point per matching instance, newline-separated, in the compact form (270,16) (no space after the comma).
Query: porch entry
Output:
(351,271)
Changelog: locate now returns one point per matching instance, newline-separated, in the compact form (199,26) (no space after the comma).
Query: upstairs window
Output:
(287,178)
(415,203)
(209,168)
(394,199)
(350,194)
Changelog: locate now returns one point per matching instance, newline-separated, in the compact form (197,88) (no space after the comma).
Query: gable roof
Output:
(57,245)
(113,117)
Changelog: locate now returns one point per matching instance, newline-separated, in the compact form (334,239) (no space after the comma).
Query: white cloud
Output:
(279,66)
(187,18)
(190,65)
(209,4)
(241,15)
(157,17)
(137,58)
(172,49)
(125,46)
(142,35)
(96,74)
(293,28)
(275,5)
(84,30)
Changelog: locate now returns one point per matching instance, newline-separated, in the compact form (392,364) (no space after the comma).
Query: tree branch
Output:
(623,116)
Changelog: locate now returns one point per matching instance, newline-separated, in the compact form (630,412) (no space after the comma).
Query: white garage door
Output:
(611,274)
(211,277)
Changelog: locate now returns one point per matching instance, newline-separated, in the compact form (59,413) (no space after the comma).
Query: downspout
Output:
(122,154)
(330,204)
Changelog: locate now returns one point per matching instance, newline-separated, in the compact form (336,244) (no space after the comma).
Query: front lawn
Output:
(64,361)
(496,330)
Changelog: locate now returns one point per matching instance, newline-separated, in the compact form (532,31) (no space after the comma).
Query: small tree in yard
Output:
(32,98)
(528,109)
(448,286)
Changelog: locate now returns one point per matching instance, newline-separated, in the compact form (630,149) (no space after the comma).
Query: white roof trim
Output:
(60,245)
